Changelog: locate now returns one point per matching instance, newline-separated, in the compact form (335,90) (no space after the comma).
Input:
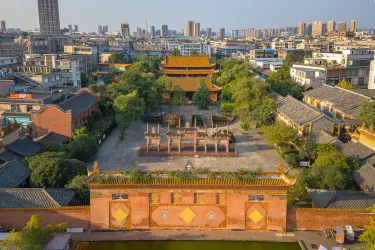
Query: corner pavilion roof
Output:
(190,84)
(261,180)
(187,62)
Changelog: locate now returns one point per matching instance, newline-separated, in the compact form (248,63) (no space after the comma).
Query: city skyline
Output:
(26,18)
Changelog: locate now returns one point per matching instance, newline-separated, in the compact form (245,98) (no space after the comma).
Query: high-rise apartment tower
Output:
(49,18)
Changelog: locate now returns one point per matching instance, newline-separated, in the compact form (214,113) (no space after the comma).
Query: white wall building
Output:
(186,48)
(307,76)
(371,82)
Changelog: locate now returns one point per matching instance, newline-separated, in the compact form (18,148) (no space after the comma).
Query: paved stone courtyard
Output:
(253,151)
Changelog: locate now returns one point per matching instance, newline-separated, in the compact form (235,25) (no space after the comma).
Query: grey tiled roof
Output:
(344,100)
(78,103)
(365,177)
(24,147)
(35,197)
(277,97)
(343,199)
(13,172)
(321,130)
(52,137)
(299,112)
(366,92)
(354,150)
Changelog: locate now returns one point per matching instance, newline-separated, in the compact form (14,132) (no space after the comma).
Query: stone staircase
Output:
(24,78)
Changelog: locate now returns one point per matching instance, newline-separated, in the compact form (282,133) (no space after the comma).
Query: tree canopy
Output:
(31,237)
(116,58)
(178,96)
(130,105)
(202,95)
(285,88)
(368,235)
(82,190)
(53,170)
(283,74)
(279,134)
(82,148)
(367,113)
(345,85)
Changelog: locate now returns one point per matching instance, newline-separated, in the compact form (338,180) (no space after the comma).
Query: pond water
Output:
(187,245)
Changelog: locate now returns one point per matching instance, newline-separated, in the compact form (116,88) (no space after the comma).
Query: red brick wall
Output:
(313,219)
(75,217)
(52,119)
(234,209)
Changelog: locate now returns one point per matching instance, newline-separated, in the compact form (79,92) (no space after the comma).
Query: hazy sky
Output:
(230,14)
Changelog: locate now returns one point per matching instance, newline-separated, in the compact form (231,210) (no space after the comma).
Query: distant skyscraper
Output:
(125,30)
(222,33)
(301,28)
(341,26)
(152,31)
(49,18)
(70,28)
(331,26)
(105,29)
(139,32)
(164,30)
(318,28)
(100,30)
(190,28)
(309,29)
(208,32)
(353,26)
(197,28)
(3,26)
(76,28)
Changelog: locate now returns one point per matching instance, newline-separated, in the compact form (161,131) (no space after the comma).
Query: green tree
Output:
(82,190)
(368,235)
(336,159)
(131,105)
(84,80)
(298,191)
(325,148)
(279,134)
(264,114)
(345,85)
(327,177)
(307,151)
(116,58)
(83,148)
(202,95)
(79,132)
(231,70)
(283,74)
(56,172)
(285,88)
(123,123)
(193,52)
(155,94)
(176,52)
(178,96)
(367,113)
(31,237)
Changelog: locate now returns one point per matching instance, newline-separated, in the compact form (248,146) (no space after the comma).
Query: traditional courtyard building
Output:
(161,202)
(65,117)
(341,104)
(186,71)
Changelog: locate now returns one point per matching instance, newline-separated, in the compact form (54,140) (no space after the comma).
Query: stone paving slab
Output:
(253,153)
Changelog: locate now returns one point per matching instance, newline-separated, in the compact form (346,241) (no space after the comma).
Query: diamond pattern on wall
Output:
(255,216)
(120,215)
(187,215)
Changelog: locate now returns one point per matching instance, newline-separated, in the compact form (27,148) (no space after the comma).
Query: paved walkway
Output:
(308,238)
(253,153)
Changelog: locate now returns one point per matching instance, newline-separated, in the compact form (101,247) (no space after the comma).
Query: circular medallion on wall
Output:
(164,215)
(211,216)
